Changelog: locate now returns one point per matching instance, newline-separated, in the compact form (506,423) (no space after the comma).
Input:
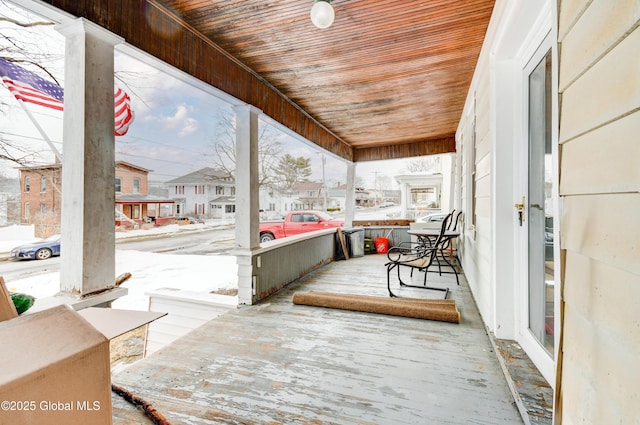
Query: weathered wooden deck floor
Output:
(280,363)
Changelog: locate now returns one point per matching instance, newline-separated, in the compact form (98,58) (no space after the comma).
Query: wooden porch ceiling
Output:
(387,80)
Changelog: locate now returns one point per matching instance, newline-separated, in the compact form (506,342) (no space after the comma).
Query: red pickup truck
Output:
(297,222)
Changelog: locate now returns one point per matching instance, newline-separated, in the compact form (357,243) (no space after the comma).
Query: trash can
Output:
(354,241)
(357,242)
(382,245)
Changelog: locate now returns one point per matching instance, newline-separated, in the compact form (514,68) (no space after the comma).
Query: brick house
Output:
(134,205)
(41,198)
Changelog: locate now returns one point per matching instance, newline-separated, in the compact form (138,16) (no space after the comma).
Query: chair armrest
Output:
(407,252)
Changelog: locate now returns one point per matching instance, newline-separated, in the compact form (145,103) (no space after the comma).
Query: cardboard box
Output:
(55,370)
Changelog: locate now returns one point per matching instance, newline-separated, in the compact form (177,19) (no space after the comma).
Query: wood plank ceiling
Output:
(387,80)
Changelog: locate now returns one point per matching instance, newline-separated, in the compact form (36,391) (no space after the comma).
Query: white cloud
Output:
(190,126)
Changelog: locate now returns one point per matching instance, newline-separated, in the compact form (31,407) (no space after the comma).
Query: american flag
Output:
(123,114)
(29,87)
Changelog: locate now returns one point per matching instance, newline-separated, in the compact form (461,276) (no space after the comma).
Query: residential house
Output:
(364,198)
(307,196)
(9,201)
(134,205)
(41,198)
(207,192)
(337,197)
(547,161)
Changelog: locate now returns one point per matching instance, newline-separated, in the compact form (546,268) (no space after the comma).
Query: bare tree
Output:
(384,182)
(269,149)
(424,164)
(20,43)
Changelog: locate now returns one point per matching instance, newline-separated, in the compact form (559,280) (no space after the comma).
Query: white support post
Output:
(350,199)
(247,200)
(88,173)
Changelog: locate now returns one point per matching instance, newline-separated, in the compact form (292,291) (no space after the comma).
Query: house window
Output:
(472,163)
(43,184)
(43,209)
(27,184)
(178,209)
(118,185)
(229,208)
(469,144)
(26,211)
(312,194)
(219,190)
(136,185)
(233,190)
(179,190)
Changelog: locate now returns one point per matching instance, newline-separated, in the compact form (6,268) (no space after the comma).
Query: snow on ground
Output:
(198,273)
(149,271)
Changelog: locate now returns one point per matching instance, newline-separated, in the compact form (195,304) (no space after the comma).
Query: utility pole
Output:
(324,181)
(375,187)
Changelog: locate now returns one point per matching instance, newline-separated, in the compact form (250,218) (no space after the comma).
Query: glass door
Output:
(539,207)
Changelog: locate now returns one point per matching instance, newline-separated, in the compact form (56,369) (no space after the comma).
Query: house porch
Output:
(276,362)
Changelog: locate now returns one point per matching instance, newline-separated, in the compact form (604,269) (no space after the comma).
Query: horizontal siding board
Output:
(483,167)
(600,375)
(483,186)
(605,228)
(607,91)
(604,160)
(593,289)
(570,11)
(598,29)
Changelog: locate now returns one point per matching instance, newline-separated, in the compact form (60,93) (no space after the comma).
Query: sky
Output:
(175,126)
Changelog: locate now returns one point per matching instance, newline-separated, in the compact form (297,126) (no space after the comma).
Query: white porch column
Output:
(88,171)
(247,199)
(404,204)
(350,198)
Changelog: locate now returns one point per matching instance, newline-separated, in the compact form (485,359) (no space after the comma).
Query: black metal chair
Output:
(446,249)
(419,256)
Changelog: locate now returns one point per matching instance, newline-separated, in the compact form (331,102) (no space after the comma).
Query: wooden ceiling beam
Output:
(445,144)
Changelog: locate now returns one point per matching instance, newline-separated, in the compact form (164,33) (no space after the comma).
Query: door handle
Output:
(520,210)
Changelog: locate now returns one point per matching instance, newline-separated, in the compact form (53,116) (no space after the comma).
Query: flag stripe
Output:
(29,87)
(28,94)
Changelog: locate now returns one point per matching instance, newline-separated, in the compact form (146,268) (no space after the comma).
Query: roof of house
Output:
(224,200)
(306,186)
(124,164)
(204,175)
(127,198)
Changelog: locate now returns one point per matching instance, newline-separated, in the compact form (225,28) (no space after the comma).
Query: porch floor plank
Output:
(280,363)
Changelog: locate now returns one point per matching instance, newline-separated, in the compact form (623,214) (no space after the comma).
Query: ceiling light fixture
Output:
(322,13)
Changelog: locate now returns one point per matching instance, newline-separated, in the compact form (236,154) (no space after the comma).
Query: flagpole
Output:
(42,133)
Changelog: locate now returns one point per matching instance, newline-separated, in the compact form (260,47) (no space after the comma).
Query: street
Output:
(215,241)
